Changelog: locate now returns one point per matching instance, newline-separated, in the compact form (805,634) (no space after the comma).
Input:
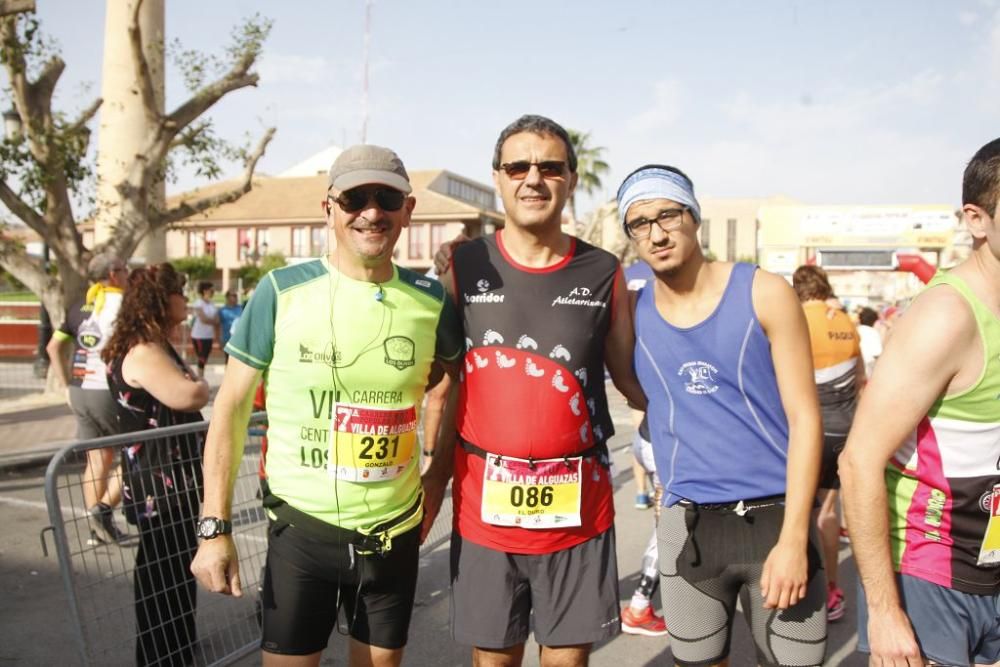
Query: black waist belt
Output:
(740,507)
(376,541)
(599,450)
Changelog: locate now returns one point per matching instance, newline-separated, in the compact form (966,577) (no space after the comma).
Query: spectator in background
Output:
(206,323)
(161,478)
(871,341)
(839,373)
(228,315)
(88,325)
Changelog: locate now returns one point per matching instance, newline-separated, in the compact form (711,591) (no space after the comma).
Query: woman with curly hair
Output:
(161,478)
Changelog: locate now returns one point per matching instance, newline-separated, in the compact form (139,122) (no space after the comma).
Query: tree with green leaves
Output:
(45,167)
(590,167)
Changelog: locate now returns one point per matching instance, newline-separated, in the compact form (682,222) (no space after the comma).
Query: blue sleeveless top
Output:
(718,428)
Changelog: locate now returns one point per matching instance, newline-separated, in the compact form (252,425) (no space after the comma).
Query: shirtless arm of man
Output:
(785,575)
(216,564)
(620,345)
(919,364)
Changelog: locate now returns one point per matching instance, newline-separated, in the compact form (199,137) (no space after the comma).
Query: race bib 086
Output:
(532,494)
(370,444)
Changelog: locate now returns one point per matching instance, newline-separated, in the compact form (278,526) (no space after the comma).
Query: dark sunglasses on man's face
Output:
(387,199)
(518,170)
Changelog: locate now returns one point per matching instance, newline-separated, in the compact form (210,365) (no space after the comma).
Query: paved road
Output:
(35,626)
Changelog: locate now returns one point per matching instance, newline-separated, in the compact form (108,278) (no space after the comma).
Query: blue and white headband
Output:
(656,183)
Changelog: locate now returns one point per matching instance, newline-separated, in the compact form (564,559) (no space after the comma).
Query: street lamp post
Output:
(12,129)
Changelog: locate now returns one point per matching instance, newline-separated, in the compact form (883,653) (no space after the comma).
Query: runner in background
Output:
(88,326)
(840,374)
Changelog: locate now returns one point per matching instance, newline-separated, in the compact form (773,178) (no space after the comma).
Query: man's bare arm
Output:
(785,572)
(57,356)
(915,368)
(216,564)
(620,346)
(435,479)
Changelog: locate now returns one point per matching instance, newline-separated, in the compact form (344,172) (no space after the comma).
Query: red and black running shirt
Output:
(533,379)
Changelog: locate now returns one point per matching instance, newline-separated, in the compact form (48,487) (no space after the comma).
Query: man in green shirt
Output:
(346,345)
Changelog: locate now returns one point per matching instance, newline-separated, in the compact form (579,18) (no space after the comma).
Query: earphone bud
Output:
(379,295)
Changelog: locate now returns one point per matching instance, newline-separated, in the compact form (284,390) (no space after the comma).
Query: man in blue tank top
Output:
(722,353)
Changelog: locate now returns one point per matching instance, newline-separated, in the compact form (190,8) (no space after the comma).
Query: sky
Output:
(848,102)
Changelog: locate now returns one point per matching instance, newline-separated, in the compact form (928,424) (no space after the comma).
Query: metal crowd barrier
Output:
(99,578)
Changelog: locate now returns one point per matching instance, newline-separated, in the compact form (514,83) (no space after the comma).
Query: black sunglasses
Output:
(518,170)
(387,199)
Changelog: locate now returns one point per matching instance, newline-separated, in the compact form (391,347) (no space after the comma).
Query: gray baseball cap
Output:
(365,164)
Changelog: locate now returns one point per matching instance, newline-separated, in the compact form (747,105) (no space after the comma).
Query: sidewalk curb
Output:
(37,458)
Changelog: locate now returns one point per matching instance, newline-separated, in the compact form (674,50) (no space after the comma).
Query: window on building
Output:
(194,244)
(706,234)
(417,241)
(243,244)
(731,240)
(210,242)
(318,241)
(437,237)
(300,242)
(477,196)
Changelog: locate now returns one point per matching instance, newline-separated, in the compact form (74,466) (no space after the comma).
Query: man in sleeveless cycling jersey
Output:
(348,343)
(722,353)
(925,444)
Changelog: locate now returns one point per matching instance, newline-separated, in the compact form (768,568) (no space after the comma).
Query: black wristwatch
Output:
(210,527)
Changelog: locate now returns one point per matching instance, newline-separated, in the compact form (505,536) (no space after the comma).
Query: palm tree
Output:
(589,169)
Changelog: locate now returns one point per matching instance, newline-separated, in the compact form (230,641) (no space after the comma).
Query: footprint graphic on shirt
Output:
(491,337)
(468,344)
(481,362)
(592,406)
(583,433)
(558,383)
(531,369)
(574,404)
(598,433)
(526,342)
(504,361)
(560,352)
(469,367)
(582,376)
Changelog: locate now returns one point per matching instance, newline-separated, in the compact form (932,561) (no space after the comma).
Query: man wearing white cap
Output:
(722,353)
(349,343)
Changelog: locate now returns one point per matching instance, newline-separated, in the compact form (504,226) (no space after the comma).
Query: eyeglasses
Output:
(668,220)
(518,170)
(387,199)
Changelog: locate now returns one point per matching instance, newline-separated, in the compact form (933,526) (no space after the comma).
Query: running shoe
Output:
(835,607)
(100,517)
(643,501)
(644,622)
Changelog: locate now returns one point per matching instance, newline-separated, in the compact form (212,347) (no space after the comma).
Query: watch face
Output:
(208,528)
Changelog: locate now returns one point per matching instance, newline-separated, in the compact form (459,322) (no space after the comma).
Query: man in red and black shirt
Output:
(543,314)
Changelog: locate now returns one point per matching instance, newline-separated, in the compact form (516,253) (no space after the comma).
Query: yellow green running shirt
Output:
(348,358)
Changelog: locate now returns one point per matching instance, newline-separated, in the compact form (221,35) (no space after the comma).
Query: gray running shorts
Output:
(95,413)
(952,627)
(573,593)
(709,558)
